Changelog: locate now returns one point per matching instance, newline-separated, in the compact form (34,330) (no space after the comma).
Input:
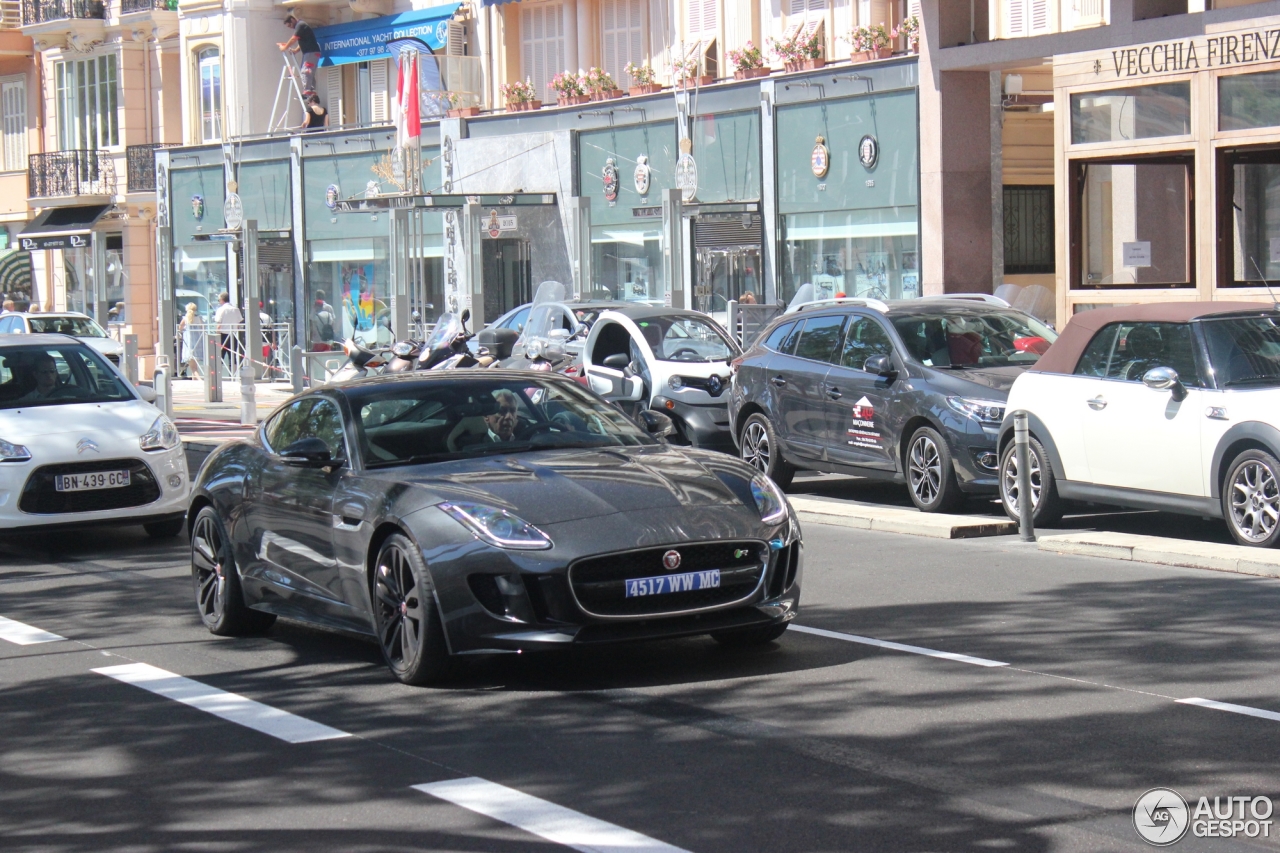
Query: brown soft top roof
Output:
(1065,353)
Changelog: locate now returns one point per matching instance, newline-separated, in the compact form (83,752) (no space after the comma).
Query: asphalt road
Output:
(816,743)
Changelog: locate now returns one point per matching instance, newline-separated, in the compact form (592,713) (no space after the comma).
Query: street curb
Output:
(894,520)
(1167,552)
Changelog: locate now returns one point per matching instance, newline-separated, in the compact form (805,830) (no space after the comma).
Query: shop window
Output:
(1249,100)
(623,36)
(209,65)
(13,114)
(86,103)
(1028,230)
(1132,224)
(1140,112)
(542,53)
(1249,215)
(871,254)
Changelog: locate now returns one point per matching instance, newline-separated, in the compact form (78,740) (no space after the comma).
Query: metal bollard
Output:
(1022,447)
(248,395)
(213,372)
(160,383)
(296,368)
(130,361)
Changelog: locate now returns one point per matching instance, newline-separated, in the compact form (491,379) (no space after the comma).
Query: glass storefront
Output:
(200,268)
(77,268)
(1135,224)
(626,249)
(1140,112)
(855,229)
(1247,101)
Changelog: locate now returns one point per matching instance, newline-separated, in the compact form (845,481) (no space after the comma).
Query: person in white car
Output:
(45,379)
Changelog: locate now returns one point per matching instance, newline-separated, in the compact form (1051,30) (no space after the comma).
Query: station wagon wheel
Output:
(219,598)
(758,447)
(931,478)
(406,619)
(1251,499)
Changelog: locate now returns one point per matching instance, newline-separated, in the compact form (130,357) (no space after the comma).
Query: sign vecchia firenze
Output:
(1194,54)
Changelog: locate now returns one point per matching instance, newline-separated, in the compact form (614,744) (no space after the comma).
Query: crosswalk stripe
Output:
(229,706)
(897,647)
(25,635)
(548,820)
(1234,709)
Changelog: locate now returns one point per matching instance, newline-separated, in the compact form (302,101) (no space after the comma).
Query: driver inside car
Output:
(45,371)
(502,423)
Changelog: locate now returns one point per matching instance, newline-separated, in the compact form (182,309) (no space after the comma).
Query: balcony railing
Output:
(128,7)
(40,11)
(10,14)
(70,173)
(141,163)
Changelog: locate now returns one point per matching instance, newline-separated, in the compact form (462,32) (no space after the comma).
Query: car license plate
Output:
(89,482)
(687,582)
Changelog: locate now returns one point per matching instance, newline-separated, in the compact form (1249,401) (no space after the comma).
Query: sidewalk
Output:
(189,400)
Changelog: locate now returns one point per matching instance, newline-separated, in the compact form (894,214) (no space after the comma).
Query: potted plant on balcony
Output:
(520,96)
(456,108)
(910,28)
(570,88)
(601,86)
(644,80)
(799,52)
(874,42)
(748,62)
(685,74)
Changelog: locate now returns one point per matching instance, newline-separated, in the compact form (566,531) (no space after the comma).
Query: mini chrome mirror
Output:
(1164,379)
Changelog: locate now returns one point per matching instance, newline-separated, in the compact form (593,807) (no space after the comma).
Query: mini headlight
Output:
(769,500)
(10,452)
(675,383)
(163,435)
(986,411)
(498,527)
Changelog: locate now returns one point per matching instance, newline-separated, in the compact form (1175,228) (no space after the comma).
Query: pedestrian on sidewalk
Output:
(323,319)
(228,320)
(303,42)
(189,336)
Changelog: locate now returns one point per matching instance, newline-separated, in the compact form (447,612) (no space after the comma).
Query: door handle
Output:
(833,392)
(1097,403)
(779,381)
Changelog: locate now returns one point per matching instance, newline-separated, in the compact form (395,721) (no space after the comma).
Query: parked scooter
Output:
(362,361)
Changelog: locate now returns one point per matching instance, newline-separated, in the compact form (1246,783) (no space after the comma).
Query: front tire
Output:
(410,632)
(757,635)
(1046,506)
(758,446)
(1251,499)
(931,476)
(219,597)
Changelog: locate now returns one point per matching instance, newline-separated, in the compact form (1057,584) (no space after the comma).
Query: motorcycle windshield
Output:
(550,291)
(447,328)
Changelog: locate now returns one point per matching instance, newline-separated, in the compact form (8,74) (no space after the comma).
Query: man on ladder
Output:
(303,42)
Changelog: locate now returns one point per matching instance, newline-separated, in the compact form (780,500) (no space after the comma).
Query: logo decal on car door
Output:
(863,432)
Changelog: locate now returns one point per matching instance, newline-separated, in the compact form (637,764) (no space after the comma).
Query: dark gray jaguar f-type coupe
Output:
(486,511)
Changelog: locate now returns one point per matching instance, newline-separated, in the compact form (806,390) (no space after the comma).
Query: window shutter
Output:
(13,108)
(913,8)
(541,45)
(379,108)
(612,30)
(636,53)
(1015,18)
(1039,14)
(333,94)
(456,44)
(622,24)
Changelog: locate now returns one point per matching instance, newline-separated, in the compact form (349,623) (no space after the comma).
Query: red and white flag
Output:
(409,115)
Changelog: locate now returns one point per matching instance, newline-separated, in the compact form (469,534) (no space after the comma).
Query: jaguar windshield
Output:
(1244,351)
(959,339)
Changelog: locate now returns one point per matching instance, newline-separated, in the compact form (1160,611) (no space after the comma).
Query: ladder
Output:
(290,76)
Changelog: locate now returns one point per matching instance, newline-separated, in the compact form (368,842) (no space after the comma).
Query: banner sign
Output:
(362,41)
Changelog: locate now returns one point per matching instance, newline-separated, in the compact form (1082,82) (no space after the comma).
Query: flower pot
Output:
(805,64)
(608,95)
(690,82)
(750,73)
(524,107)
(646,89)
(464,112)
(571,100)
(861,56)
(884,52)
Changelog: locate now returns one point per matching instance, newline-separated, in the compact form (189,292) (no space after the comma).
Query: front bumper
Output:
(973,452)
(705,424)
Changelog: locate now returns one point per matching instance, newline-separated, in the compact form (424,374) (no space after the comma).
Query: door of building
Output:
(506,276)
(726,261)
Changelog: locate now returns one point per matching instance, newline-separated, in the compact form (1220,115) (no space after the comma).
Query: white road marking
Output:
(229,706)
(1235,709)
(552,822)
(897,647)
(25,635)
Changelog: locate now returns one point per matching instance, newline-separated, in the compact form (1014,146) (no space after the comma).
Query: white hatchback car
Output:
(71,323)
(1169,406)
(79,445)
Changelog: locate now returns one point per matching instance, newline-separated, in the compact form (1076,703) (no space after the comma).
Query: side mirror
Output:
(618,361)
(1165,379)
(656,424)
(307,453)
(466,314)
(880,365)
(147,393)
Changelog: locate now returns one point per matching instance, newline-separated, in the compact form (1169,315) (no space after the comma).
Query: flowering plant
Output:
(567,85)
(641,75)
(684,69)
(597,80)
(747,58)
(519,92)
(910,27)
(798,47)
(875,37)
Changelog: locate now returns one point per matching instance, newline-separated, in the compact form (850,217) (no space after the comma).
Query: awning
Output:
(61,228)
(362,41)
(497,2)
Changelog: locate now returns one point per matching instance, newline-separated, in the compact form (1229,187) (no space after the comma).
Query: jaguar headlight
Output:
(163,435)
(498,527)
(10,452)
(769,500)
(986,411)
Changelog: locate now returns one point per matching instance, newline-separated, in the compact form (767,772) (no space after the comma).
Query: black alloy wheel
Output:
(931,478)
(758,447)
(1046,506)
(217,583)
(1251,499)
(410,633)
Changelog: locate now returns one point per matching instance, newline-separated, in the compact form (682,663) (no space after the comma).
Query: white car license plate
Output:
(89,482)
(687,582)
